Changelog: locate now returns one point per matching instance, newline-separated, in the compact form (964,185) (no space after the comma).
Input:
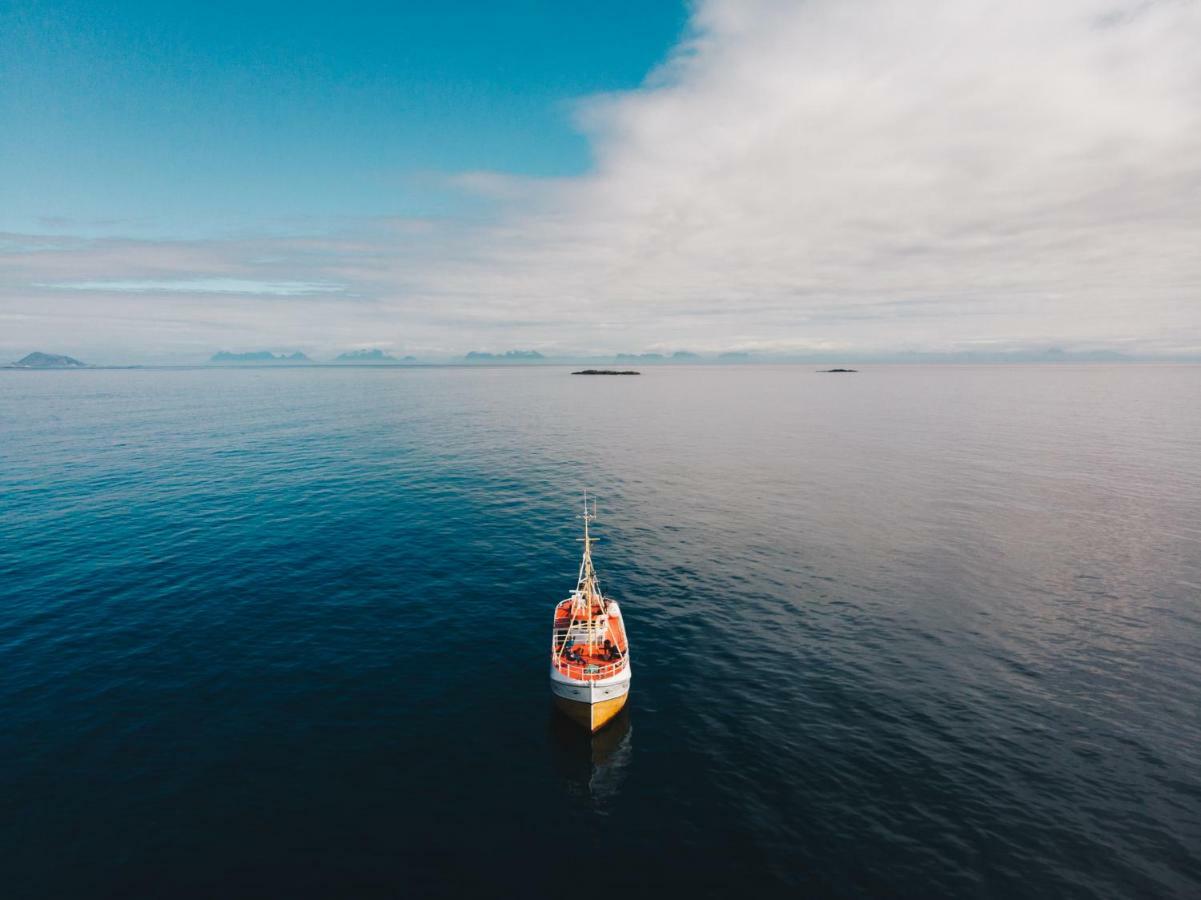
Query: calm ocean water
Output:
(915,632)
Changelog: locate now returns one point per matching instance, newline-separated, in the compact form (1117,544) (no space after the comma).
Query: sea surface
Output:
(911,632)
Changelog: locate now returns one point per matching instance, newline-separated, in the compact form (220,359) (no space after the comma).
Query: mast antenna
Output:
(586,584)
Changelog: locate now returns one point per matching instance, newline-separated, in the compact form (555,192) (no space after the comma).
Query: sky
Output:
(831,177)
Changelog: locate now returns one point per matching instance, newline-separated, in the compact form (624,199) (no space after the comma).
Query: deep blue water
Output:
(915,632)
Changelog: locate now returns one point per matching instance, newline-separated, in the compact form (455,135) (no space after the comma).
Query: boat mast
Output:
(587,585)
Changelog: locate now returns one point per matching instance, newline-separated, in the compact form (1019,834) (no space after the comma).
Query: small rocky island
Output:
(38,360)
(605,372)
(830,371)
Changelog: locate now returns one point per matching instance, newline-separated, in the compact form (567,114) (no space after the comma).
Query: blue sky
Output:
(846,179)
(229,112)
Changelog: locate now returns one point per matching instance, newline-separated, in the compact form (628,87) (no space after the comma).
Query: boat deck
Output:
(592,662)
(592,669)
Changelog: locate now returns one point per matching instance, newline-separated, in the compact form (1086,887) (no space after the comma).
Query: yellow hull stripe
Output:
(593,716)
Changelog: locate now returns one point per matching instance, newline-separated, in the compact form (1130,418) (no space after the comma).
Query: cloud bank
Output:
(859,177)
(201,286)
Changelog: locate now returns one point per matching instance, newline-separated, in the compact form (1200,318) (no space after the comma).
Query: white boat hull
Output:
(591,703)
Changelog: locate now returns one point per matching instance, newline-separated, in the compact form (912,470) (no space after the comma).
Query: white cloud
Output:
(201,286)
(831,174)
(872,174)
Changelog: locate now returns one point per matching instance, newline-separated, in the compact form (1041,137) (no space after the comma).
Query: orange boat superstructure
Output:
(589,653)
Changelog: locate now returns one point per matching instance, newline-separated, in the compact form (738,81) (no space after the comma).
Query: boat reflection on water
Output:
(592,765)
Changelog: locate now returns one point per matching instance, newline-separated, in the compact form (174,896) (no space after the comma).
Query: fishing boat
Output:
(589,652)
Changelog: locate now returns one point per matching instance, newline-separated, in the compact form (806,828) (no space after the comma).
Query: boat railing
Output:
(587,671)
(578,632)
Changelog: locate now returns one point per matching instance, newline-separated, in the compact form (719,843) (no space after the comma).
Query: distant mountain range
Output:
(258,356)
(38,360)
(507,356)
(374,355)
(379,356)
(678,356)
(535,356)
